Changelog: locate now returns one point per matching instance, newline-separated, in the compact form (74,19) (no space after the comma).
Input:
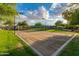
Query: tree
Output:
(22,25)
(72,15)
(8,24)
(7,12)
(58,23)
(38,24)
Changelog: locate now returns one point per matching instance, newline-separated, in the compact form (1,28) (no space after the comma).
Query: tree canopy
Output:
(72,16)
(7,10)
(58,23)
(38,24)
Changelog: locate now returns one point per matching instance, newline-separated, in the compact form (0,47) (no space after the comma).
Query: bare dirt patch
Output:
(45,42)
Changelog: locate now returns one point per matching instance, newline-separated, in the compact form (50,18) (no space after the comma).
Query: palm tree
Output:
(22,25)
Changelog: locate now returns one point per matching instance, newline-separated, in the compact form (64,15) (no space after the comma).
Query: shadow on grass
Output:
(25,50)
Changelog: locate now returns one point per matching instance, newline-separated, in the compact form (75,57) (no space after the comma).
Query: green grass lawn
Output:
(55,30)
(10,44)
(60,31)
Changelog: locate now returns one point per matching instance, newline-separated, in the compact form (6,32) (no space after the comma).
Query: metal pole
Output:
(14,25)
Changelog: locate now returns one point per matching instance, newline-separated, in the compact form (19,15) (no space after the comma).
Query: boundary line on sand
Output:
(53,54)
(64,45)
(29,45)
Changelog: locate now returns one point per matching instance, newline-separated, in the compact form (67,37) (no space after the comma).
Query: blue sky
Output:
(31,6)
(23,7)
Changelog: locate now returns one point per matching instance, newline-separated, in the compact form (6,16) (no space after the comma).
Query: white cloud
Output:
(57,8)
(38,14)
(32,14)
(41,13)
(54,5)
